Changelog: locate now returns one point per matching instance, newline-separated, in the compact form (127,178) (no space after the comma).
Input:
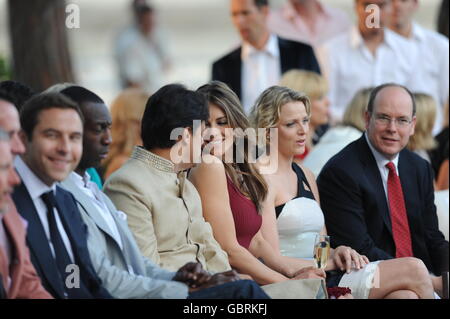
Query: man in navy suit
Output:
(378,197)
(52,133)
(263,57)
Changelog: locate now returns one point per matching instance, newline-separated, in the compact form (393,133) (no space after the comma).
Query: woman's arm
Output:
(210,181)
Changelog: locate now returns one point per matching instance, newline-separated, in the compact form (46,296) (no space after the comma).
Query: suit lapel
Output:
(235,77)
(374,177)
(86,203)
(405,170)
(36,238)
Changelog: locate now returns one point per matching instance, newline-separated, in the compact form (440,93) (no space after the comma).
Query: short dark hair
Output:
(33,107)
(376,90)
(172,106)
(81,95)
(261,3)
(18,93)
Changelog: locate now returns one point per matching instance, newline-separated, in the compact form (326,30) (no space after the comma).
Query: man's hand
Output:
(345,258)
(218,279)
(192,274)
(310,272)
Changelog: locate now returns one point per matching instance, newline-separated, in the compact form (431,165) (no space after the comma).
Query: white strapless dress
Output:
(300,220)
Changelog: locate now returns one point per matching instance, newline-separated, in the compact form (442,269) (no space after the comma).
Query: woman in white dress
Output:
(293,194)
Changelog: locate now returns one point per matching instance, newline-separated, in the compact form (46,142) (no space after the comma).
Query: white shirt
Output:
(36,188)
(142,59)
(91,189)
(431,68)
(349,66)
(381,163)
(260,70)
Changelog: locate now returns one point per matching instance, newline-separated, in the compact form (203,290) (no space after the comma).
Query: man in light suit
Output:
(377,196)
(263,57)
(112,247)
(52,134)
(18,278)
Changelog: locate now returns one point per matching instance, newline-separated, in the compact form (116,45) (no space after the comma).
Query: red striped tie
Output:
(400,224)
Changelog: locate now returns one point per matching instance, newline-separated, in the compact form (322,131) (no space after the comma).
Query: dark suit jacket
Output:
(293,55)
(25,283)
(40,252)
(356,210)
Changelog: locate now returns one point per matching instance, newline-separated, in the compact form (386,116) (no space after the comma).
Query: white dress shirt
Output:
(431,70)
(260,70)
(36,188)
(349,66)
(91,189)
(381,163)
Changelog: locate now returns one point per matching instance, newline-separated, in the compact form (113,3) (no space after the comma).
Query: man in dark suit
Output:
(263,57)
(378,197)
(52,133)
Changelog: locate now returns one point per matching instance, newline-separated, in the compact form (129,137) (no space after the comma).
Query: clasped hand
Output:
(195,277)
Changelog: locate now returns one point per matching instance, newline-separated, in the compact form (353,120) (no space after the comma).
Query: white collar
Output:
(35,186)
(271,48)
(80,181)
(356,39)
(418,32)
(379,158)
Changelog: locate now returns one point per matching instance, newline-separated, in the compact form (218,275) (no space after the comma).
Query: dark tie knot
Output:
(49,199)
(391,167)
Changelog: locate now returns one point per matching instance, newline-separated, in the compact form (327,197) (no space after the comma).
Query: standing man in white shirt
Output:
(308,21)
(367,56)
(262,58)
(432,55)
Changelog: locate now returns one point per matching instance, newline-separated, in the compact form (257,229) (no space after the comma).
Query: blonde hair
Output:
(245,176)
(423,133)
(354,113)
(266,111)
(312,84)
(127,107)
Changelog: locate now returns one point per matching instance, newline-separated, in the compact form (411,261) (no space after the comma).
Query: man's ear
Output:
(23,137)
(186,136)
(413,125)
(367,118)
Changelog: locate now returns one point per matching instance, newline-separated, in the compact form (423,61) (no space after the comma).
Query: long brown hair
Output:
(245,176)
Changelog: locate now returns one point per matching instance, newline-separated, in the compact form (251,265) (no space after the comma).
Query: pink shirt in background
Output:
(286,23)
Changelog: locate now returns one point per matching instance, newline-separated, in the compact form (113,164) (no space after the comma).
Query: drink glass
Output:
(321,250)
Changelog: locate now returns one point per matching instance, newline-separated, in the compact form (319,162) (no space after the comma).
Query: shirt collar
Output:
(356,39)
(379,158)
(418,32)
(153,160)
(271,48)
(80,181)
(35,186)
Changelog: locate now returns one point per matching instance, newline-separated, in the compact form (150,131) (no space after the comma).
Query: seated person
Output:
(52,133)
(377,196)
(113,250)
(18,278)
(232,192)
(292,216)
(163,208)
